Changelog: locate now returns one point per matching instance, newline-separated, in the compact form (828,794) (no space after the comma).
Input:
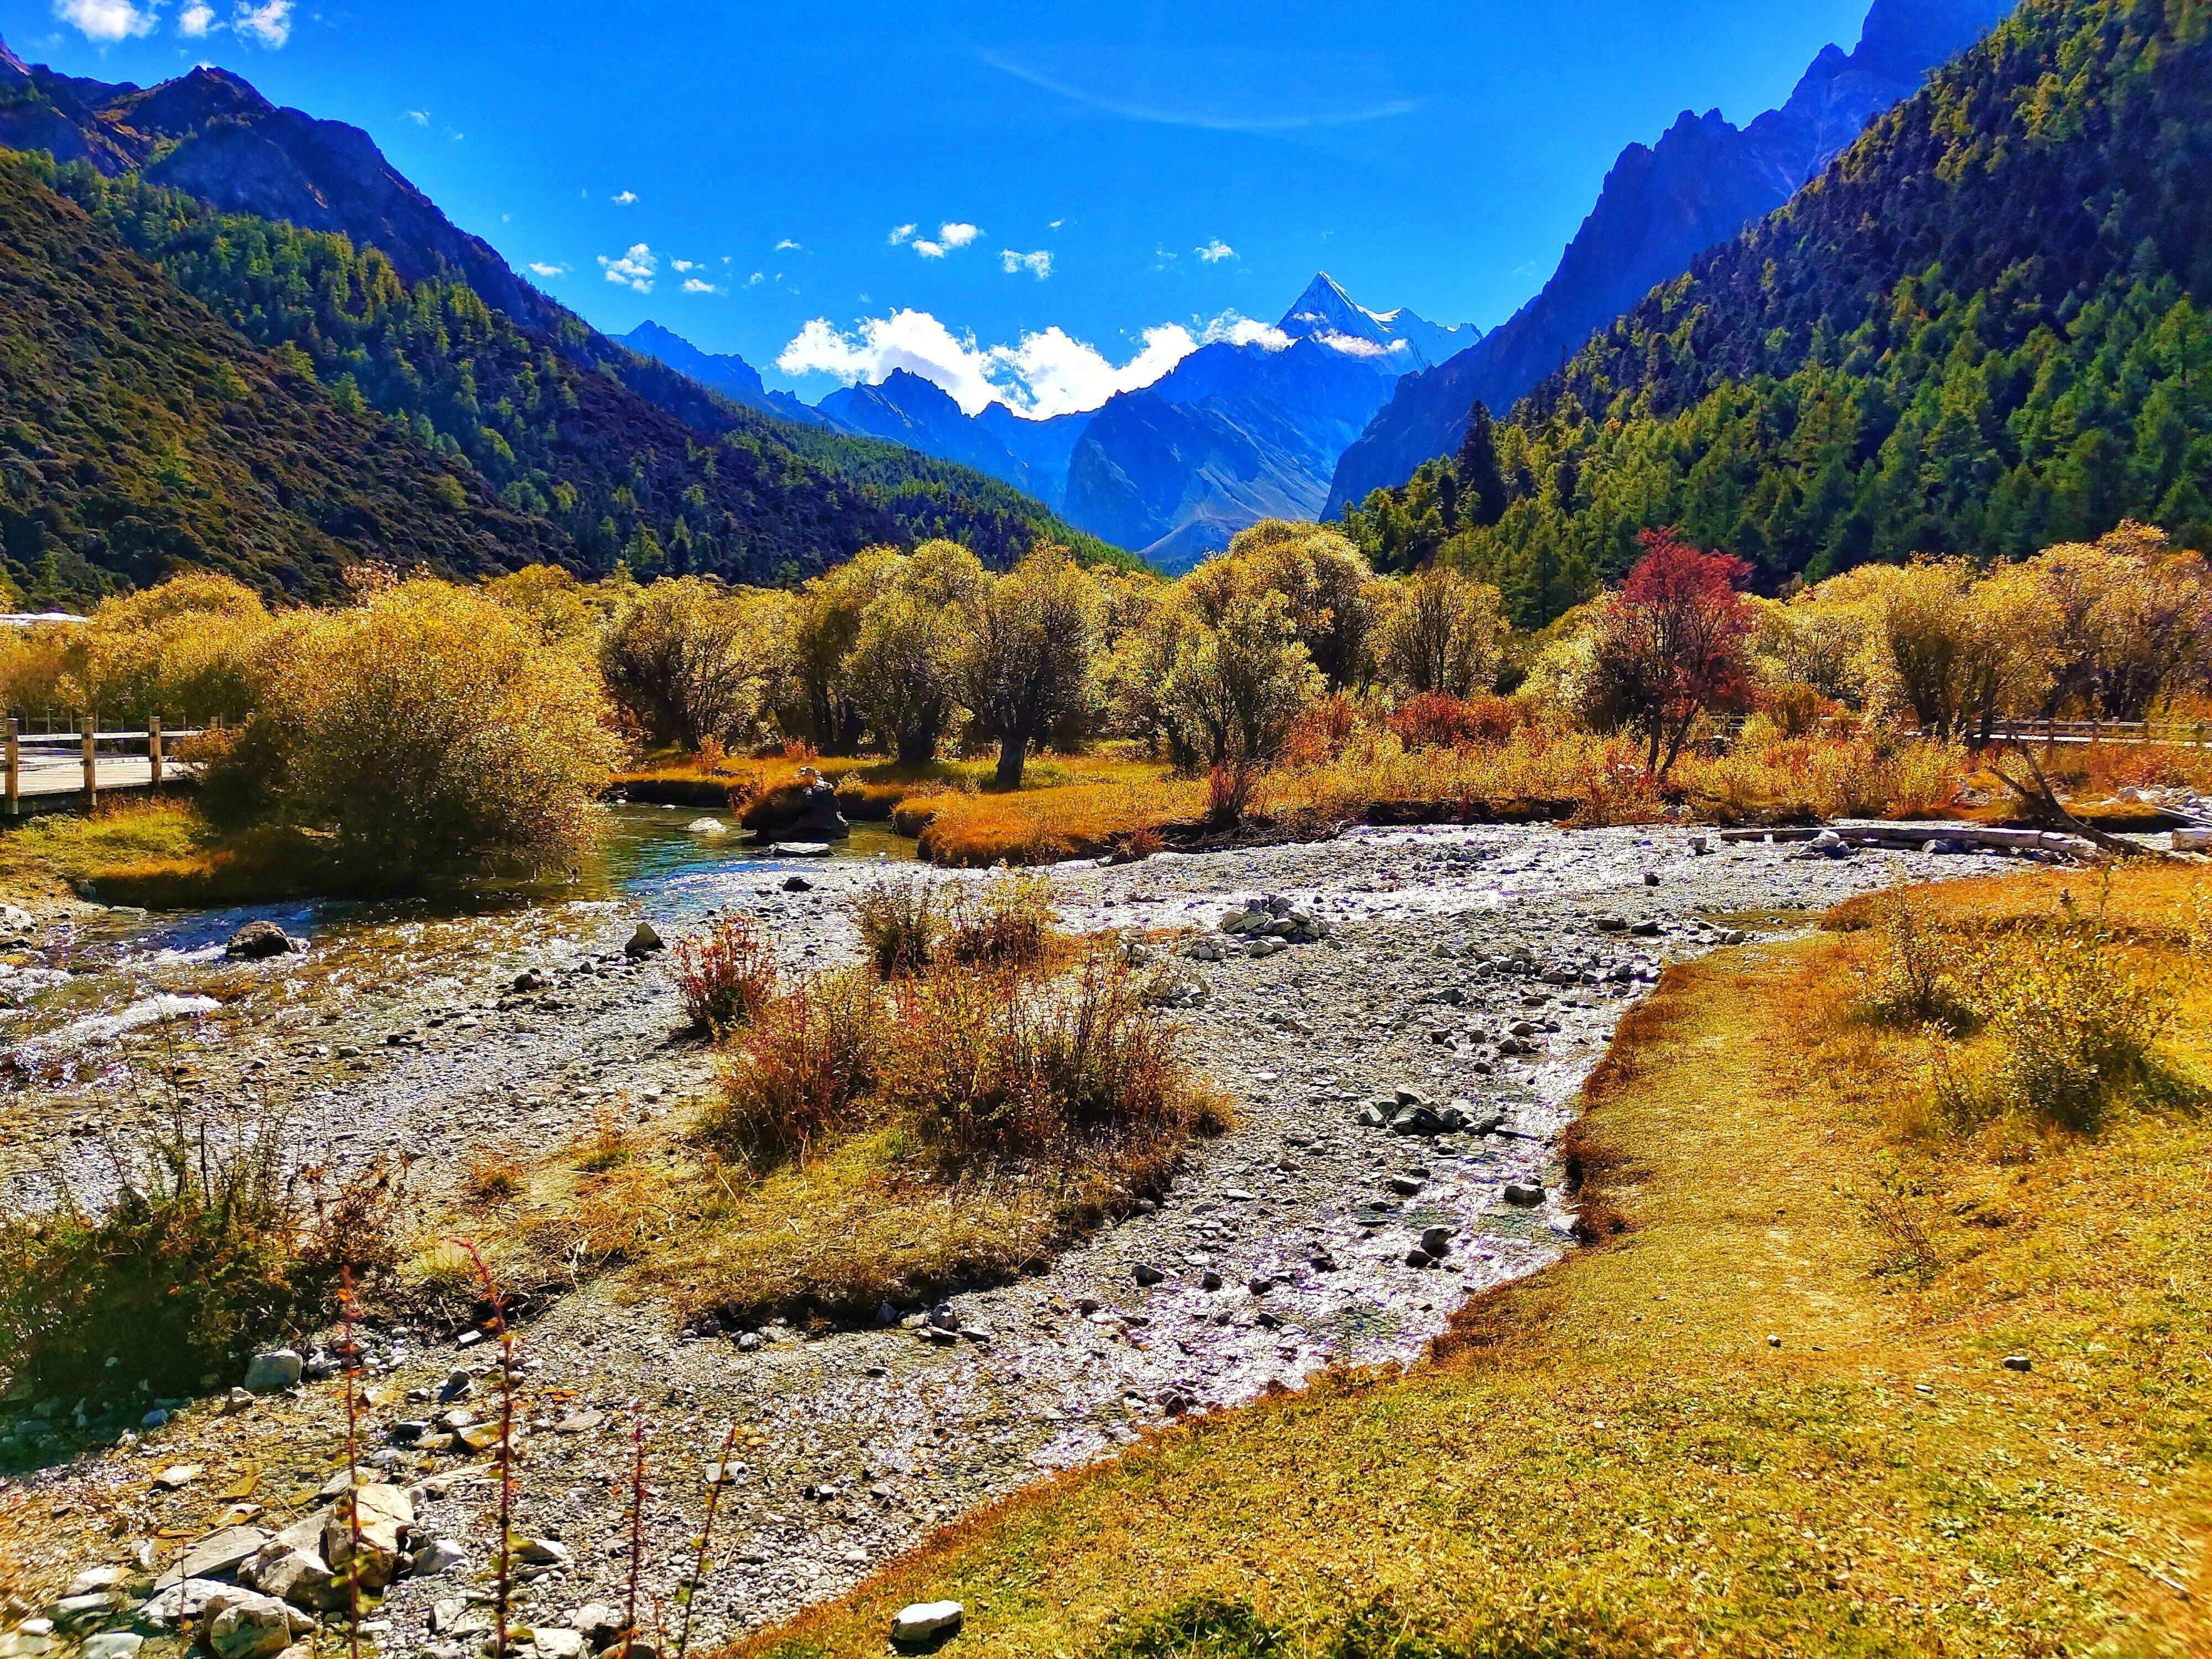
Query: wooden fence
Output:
(64,766)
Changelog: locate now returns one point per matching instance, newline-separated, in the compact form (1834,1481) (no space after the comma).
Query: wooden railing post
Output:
(91,760)
(154,748)
(15,765)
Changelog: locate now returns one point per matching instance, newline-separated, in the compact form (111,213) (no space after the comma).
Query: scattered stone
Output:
(273,1371)
(926,1621)
(708,826)
(297,1577)
(530,979)
(258,941)
(1523,1194)
(643,942)
(797,885)
(378,1519)
(214,1555)
(439,1555)
(114,1644)
(2019,1362)
(555,1643)
(94,1581)
(1436,1241)
(256,1628)
(1148,1275)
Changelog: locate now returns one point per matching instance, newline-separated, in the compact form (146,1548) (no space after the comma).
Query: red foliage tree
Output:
(1673,644)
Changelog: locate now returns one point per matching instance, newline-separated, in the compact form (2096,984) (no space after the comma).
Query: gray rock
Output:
(187,1600)
(553,1643)
(1148,1274)
(367,1532)
(298,1577)
(256,1628)
(599,1624)
(2019,1362)
(259,940)
(926,1621)
(76,1611)
(273,1371)
(114,1644)
(215,1555)
(1436,1241)
(643,942)
(1523,1194)
(95,1580)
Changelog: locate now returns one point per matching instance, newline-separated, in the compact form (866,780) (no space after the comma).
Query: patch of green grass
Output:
(161,855)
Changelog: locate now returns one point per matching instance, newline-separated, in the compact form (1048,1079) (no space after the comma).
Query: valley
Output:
(858,1441)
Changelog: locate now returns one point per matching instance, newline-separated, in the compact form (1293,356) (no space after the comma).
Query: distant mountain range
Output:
(1662,205)
(731,375)
(465,420)
(1232,434)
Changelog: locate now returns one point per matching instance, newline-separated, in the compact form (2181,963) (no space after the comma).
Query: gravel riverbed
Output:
(1484,966)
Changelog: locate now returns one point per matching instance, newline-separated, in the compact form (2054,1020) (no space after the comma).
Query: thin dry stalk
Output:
(495,1321)
(637,1519)
(704,1564)
(348,1348)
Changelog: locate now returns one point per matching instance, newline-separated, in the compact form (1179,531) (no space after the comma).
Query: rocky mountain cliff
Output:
(1662,205)
(210,134)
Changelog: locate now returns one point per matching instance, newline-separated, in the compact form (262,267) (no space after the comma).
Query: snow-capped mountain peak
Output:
(1329,315)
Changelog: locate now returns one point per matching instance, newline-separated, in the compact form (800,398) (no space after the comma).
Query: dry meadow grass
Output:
(1772,1418)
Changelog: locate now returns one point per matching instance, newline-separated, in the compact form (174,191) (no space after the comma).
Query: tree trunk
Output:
(1013,755)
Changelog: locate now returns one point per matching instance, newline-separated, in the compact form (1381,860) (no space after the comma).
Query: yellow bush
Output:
(429,731)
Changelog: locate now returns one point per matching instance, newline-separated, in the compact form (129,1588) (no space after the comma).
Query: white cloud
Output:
(626,198)
(755,280)
(635,270)
(105,19)
(949,236)
(421,118)
(269,23)
(1045,374)
(1231,329)
(684,265)
(699,285)
(786,245)
(195,20)
(1040,262)
(541,268)
(1216,251)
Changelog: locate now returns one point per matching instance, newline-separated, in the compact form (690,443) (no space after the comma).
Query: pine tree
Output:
(1482,484)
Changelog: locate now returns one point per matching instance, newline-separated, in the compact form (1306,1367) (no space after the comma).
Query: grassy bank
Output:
(1774,1417)
(982,1091)
(162,854)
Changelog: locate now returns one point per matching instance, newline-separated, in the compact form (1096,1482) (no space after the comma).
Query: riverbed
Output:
(1286,1248)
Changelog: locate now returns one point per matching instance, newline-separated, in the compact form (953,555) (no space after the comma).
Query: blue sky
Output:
(1063,184)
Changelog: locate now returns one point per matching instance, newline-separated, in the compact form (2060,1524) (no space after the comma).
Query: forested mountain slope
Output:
(1982,330)
(298,232)
(138,435)
(1662,204)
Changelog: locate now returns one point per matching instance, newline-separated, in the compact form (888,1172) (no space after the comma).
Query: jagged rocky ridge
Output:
(1662,205)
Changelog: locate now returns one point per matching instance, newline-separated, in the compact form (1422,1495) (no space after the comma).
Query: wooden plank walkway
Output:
(72,770)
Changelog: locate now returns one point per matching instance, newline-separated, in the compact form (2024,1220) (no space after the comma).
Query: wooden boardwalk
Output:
(66,770)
